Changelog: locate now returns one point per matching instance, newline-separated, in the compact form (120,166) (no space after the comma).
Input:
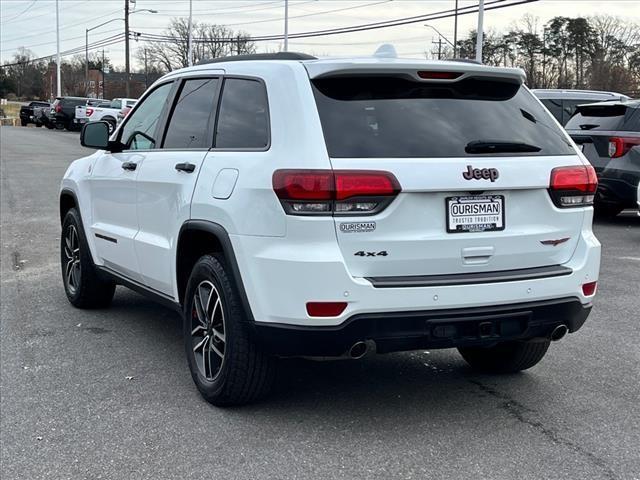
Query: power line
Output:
(24,11)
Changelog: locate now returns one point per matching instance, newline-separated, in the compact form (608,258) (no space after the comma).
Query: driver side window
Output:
(139,131)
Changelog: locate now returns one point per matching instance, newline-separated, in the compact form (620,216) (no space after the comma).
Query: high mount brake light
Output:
(619,146)
(337,192)
(439,75)
(573,186)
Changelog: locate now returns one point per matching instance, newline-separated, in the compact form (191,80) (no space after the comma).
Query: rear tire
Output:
(508,357)
(84,286)
(23,123)
(225,363)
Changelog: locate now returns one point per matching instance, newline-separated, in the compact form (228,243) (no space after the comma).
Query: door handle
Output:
(129,165)
(185,167)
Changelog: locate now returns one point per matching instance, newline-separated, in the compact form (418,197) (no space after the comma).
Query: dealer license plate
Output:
(476,213)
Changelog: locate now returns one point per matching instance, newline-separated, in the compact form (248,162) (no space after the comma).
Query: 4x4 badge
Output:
(480,173)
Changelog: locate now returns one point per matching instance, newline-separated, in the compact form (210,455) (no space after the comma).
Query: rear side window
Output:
(190,121)
(606,117)
(396,117)
(243,121)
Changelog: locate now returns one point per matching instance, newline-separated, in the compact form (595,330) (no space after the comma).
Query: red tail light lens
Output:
(573,186)
(619,146)
(338,192)
(325,309)
(439,75)
(89,112)
(589,289)
(58,108)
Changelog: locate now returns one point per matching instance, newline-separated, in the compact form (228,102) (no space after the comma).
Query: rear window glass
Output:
(605,117)
(398,117)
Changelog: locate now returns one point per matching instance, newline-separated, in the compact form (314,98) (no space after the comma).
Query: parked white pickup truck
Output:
(109,114)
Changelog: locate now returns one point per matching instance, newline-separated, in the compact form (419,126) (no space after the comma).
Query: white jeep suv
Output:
(294,206)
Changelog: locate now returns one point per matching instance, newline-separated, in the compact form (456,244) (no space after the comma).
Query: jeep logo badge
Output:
(480,173)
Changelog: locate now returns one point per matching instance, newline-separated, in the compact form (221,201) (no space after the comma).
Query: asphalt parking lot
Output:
(107,393)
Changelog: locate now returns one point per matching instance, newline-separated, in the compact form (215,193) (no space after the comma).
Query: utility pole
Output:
(189,41)
(480,34)
(146,74)
(104,85)
(439,43)
(455,32)
(127,68)
(86,60)
(286,25)
(58,88)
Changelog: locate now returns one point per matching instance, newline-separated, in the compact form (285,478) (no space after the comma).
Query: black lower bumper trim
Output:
(470,278)
(401,331)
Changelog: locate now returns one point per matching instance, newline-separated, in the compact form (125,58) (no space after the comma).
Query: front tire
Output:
(24,123)
(225,363)
(84,286)
(507,357)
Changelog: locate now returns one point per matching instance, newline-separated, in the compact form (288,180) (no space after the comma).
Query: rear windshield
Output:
(399,117)
(605,117)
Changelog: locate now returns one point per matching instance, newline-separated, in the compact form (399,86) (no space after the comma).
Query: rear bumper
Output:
(400,331)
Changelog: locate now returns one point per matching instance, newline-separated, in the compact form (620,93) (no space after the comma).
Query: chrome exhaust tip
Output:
(559,332)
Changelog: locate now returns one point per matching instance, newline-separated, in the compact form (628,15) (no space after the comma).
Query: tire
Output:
(49,126)
(24,123)
(226,365)
(607,210)
(112,125)
(83,284)
(508,357)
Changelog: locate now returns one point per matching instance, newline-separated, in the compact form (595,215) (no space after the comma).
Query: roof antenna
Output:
(386,50)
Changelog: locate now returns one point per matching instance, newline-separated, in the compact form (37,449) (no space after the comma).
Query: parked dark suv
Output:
(609,133)
(27,113)
(63,111)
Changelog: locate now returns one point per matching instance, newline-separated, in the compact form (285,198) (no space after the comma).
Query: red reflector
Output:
(439,75)
(619,146)
(325,309)
(589,289)
(303,184)
(581,178)
(365,184)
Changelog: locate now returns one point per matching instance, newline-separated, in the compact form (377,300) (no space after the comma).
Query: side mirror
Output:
(95,135)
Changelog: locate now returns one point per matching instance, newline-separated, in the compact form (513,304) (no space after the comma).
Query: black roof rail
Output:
(260,56)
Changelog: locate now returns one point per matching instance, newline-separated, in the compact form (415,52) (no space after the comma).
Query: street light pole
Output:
(455,32)
(189,47)
(286,25)
(86,59)
(58,88)
(480,34)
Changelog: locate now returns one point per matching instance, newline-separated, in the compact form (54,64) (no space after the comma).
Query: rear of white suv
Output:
(342,207)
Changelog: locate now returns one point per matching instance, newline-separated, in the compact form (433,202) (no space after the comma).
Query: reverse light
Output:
(573,186)
(589,289)
(325,309)
(337,192)
(619,146)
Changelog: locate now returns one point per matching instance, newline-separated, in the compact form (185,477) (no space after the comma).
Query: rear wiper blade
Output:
(497,146)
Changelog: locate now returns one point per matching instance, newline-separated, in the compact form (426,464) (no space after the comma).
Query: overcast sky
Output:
(31,23)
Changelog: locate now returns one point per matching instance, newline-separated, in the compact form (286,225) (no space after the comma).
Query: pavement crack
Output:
(524,414)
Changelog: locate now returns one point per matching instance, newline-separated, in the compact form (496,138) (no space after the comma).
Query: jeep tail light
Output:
(58,108)
(619,146)
(325,309)
(573,186)
(334,192)
(589,289)
(89,112)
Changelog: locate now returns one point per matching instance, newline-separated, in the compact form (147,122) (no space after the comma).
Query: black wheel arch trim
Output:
(71,193)
(227,249)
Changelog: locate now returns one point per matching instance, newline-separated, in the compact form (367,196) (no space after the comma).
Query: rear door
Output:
(167,177)
(473,157)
